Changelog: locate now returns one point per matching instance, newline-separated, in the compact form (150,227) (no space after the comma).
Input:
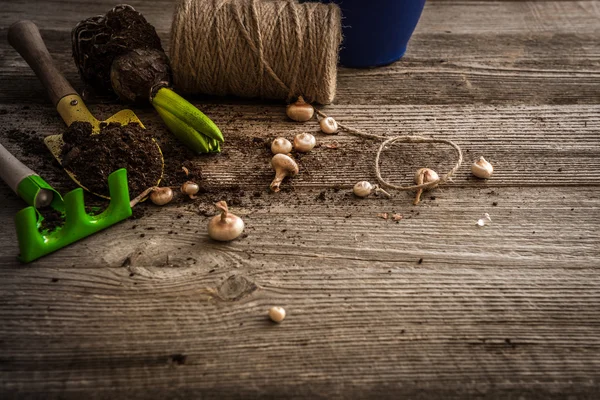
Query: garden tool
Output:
(25,37)
(36,192)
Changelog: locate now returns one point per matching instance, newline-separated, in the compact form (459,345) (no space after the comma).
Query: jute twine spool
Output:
(256,48)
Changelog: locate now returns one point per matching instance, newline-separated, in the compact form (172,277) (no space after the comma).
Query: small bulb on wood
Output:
(484,220)
(284,166)
(226,226)
(190,188)
(329,126)
(277,314)
(281,146)
(161,195)
(424,175)
(304,142)
(482,168)
(364,188)
(300,111)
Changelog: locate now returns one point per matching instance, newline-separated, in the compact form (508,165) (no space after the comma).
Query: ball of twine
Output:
(256,48)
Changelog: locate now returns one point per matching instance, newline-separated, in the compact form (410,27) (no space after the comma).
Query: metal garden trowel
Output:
(25,37)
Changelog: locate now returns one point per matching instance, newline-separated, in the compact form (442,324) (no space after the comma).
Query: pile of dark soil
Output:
(92,158)
(97,41)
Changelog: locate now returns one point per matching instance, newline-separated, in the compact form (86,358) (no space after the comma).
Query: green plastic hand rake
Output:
(34,244)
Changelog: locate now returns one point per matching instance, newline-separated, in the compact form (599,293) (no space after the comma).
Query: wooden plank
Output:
(438,69)
(529,146)
(520,17)
(499,304)
(528,226)
(439,16)
(63,16)
(494,54)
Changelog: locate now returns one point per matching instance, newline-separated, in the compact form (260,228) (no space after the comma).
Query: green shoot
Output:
(187,123)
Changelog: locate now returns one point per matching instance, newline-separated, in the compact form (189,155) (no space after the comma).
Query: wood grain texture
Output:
(485,305)
(496,53)
(427,307)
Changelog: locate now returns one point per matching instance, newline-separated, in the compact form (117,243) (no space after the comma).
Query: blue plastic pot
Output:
(376,32)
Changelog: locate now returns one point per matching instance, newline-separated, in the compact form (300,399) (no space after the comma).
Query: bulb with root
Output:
(190,188)
(226,226)
(300,111)
(304,142)
(158,195)
(281,146)
(284,166)
(423,176)
(328,126)
(482,168)
(365,188)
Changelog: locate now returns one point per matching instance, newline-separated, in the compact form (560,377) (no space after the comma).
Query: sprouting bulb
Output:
(365,188)
(300,111)
(482,168)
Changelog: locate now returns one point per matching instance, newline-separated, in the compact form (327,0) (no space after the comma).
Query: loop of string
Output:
(407,139)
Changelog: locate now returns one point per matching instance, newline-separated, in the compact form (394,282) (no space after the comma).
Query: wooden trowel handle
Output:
(25,37)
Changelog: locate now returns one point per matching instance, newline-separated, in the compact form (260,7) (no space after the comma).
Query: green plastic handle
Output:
(34,244)
(38,193)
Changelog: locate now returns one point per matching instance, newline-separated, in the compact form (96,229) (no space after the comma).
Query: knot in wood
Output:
(235,288)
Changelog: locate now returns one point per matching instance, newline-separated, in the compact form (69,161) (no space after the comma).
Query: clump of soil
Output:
(93,157)
(97,41)
(51,219)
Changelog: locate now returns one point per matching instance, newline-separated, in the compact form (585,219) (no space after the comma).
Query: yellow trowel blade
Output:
(71,108)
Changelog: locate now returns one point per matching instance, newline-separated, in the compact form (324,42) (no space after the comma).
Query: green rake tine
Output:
(34,244)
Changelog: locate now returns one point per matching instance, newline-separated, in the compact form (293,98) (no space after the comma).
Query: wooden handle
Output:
(25,37)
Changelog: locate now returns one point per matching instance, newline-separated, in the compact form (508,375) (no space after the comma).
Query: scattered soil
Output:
(51,219)
(31,143)
(248,190)
(97,41)
(178,359)
(176,157)
(92,158)
(35,154)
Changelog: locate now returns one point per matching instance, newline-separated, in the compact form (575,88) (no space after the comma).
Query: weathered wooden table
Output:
(430,306)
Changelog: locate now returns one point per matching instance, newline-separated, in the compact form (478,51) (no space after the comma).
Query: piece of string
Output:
(406,139)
